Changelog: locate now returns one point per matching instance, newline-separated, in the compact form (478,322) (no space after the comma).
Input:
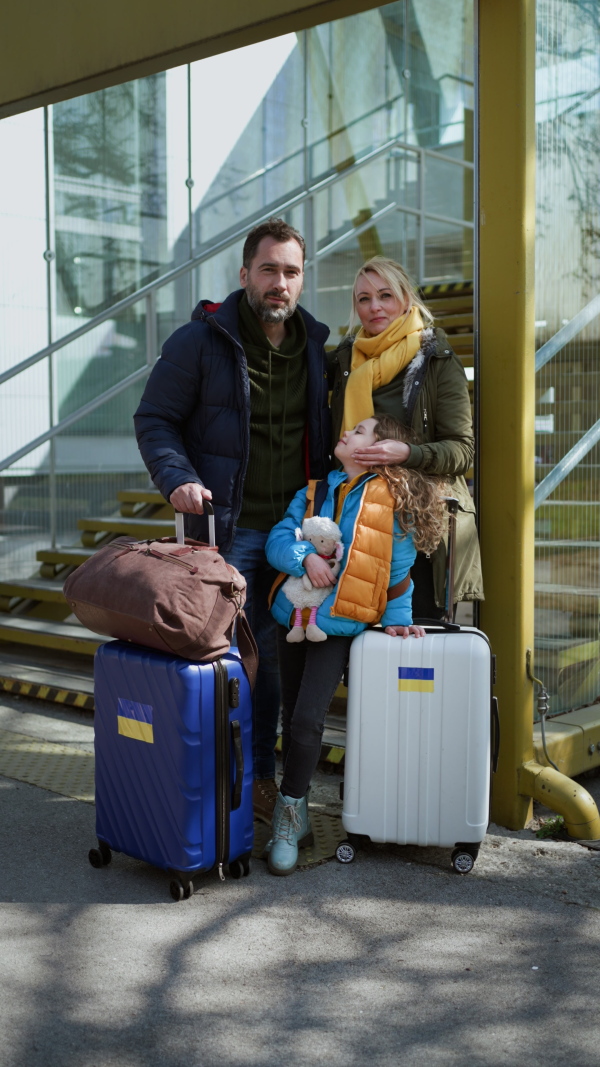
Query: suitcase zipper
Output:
(223,769)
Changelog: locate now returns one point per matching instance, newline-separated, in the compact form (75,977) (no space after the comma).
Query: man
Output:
(235,411)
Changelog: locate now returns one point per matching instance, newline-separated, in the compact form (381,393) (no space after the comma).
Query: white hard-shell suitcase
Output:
(419,739)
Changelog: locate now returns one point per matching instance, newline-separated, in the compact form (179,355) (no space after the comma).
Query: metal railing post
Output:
(50,257)
(189,181)
(151,329)
(311,254)
(421,245)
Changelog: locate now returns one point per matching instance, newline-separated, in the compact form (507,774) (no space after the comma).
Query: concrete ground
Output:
(392,960)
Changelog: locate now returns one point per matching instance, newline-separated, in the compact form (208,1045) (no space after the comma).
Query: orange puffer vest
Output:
(363,585)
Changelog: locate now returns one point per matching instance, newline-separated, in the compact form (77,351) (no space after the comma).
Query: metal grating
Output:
(68,771)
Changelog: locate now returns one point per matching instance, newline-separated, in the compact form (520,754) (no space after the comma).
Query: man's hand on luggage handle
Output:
(405,631)
(382,453)
(189,498)
(318,571)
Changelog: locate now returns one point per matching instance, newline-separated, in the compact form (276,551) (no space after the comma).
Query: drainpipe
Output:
(554,789)
(564,796)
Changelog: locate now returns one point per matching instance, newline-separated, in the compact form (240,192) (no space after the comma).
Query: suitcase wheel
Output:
(462,861)
(240,867)
(101,856)
(345,852)
(179,891)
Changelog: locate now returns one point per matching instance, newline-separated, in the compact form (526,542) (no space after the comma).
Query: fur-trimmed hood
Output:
(417,363)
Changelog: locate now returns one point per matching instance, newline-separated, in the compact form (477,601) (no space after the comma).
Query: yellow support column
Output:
(507,383)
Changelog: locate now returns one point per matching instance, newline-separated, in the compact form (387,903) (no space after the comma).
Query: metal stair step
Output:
(450,305)
(567,544)
(462,343)
(450,322)
(140,496)
(141,528)
(33,589)
(568,590)
(69,637)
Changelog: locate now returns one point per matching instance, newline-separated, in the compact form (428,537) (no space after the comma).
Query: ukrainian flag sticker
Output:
(135,720)
(415,679)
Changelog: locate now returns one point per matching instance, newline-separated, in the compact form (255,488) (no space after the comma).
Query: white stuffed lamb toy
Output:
(326,537)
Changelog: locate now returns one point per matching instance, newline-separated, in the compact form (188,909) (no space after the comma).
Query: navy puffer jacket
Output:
(193,422)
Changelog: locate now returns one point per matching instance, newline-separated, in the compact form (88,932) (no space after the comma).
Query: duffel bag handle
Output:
(247,649)
(180,533)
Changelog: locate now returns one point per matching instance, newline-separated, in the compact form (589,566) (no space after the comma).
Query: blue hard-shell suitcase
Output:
(173,743)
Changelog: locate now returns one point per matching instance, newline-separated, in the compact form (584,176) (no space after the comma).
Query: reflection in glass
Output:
(567,524)
(110,195)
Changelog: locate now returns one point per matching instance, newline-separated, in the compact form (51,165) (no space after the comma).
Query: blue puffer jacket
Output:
(193,421)
(286,554)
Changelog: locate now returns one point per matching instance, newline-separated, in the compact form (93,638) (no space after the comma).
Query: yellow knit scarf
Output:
(376,360)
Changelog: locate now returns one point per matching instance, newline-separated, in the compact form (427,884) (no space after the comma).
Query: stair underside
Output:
(33,589)
(64,636)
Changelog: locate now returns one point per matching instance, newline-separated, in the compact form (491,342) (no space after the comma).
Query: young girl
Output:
(385,516)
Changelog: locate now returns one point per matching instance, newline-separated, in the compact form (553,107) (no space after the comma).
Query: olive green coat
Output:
(442,421)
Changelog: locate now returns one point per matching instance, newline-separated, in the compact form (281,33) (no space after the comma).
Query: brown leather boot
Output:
(264,795)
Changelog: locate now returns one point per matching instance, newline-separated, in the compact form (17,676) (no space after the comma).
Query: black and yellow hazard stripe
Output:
(70,697)
(329,753)
(446,289)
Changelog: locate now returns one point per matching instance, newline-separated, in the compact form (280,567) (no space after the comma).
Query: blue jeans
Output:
(247,554)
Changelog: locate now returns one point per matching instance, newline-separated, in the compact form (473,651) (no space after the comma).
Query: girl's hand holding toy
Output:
(319,571)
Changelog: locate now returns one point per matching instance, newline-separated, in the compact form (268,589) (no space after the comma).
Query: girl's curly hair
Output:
(418,497)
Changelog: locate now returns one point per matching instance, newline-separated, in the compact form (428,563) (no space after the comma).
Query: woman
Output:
(398,364)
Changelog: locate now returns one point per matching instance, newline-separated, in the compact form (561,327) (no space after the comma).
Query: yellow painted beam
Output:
(54,51)
(506,38)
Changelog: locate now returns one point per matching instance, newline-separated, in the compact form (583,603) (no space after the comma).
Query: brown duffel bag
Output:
(179,598)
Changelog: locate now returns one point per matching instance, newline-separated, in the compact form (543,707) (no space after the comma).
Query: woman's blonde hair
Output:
(399,282)
(418,497)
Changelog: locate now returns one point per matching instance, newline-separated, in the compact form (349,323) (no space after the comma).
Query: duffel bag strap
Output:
(247,647)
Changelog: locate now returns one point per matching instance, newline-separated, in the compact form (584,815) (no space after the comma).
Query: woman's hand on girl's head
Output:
(382,454)
(405,631)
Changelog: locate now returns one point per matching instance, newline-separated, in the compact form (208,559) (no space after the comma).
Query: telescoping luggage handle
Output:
(446,622)
(244,636)
(452,505)
(179,531)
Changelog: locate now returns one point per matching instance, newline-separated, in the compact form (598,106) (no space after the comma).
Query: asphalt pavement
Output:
(391,960)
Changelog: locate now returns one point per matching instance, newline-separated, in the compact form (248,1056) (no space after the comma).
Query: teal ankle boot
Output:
(291,828)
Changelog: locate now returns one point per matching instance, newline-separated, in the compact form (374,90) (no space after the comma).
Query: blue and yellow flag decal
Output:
(415,679)
(135,720)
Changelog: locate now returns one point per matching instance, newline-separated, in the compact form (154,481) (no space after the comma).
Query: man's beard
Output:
(265,311)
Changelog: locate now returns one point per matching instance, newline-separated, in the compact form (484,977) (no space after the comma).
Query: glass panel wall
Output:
(359,132)
(567,575)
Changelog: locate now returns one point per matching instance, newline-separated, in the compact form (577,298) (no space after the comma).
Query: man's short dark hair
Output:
(276,228)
